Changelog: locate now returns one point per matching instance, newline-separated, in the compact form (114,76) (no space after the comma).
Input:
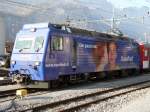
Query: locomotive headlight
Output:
(37,63)
(33,29)
(13,62)
(2,63)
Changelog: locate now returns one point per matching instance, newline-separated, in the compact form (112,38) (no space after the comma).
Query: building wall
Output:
(2,36)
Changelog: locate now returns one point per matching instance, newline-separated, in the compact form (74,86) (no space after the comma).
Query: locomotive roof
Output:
(85,32)
(76,31)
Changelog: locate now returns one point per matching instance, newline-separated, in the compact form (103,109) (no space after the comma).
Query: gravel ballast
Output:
(30,101)
(141,104)
(131,102)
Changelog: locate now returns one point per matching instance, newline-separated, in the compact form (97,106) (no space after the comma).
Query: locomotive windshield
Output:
(38,43)
(29,44)
(23,43)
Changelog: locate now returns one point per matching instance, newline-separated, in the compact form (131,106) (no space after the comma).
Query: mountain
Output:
(57,11)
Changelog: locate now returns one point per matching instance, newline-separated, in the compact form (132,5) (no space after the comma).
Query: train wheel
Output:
(124,73)
(53,84)
(136,71)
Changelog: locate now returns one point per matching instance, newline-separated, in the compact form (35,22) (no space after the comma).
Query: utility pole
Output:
(68,21)
(113,27)
(112,22)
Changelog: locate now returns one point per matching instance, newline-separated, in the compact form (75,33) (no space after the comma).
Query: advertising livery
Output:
(47,52)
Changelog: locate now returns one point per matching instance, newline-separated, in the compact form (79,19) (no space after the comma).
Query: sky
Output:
(129,3)
(124,3)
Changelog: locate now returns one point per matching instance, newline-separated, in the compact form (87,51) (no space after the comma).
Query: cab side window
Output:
(57,43)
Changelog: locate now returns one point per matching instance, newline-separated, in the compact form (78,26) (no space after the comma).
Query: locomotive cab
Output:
(28,53)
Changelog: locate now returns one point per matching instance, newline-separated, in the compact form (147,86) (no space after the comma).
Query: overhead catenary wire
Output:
(20,4)
(26,5)
(74,22)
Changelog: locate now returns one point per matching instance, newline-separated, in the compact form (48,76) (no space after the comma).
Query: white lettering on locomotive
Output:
(86,45)
(126,58)
(57,65)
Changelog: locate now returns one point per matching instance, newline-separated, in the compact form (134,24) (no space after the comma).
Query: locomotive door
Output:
(59,50)
(74,54)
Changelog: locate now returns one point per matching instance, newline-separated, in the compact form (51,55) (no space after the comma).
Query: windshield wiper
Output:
(37,50)
(20,50)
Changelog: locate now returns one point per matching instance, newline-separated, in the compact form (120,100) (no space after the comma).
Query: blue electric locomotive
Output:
(46,52)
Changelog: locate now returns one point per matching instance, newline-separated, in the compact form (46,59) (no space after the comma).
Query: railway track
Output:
(9,90)
(12,93)
(80,102)
(8,93)
(5,80)
(9,97)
